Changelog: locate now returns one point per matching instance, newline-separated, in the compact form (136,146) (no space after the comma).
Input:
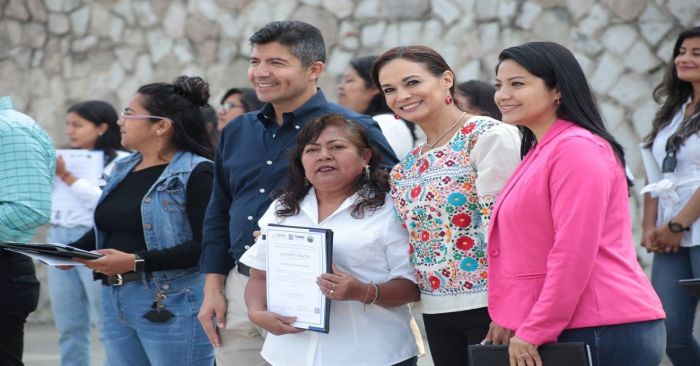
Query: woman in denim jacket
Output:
(148,226)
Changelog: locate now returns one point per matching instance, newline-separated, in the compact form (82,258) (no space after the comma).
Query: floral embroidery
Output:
(436,197)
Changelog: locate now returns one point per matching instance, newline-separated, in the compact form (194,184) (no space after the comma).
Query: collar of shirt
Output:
(309,206)
(266,116)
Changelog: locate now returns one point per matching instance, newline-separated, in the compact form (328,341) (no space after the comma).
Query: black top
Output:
(119,215)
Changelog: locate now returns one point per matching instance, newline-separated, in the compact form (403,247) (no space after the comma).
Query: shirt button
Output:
(147,199)
(250,218)
(147,226)
(262,190)
(269,162)
(494,252)
(247,247)
(297,127)
(165,286)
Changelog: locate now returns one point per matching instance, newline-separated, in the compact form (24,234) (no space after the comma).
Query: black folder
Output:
(553,354)
(54,250)
(690,284)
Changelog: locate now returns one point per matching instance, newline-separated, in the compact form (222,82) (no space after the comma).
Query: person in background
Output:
(235,102)
(148,226)
(337,182)
(211,120)
(562,265)
(476,97)
(444,191)
(670,227)
(356,92)
(74,293)
(252,161)
(27,163)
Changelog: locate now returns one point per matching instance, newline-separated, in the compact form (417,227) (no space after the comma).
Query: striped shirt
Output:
(27,163)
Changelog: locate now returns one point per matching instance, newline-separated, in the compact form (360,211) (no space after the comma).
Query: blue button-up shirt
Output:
(27,161)
(252,161)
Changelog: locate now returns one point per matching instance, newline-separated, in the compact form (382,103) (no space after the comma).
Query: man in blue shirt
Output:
(252,161)
(27,161)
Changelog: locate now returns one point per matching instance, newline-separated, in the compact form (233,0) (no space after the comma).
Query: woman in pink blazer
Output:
(562,265)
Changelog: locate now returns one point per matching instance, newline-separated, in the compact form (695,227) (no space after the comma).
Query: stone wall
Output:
(56,52)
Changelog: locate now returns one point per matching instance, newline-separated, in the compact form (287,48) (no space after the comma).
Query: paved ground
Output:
(41,347)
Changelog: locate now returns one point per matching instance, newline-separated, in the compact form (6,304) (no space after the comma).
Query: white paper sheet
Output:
(295,259)
(84,164)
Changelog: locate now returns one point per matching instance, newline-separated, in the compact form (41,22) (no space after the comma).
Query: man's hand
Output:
(212,314)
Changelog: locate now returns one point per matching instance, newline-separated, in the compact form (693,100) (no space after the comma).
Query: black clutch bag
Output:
(553,354)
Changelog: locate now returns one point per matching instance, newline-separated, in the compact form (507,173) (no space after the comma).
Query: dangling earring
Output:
(448,100)
(557,101)
(396,116)
(367,172)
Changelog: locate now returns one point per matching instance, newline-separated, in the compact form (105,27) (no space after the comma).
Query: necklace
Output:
(445,133)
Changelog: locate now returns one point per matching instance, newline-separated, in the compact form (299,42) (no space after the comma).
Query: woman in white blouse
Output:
(74,294)
(336,183)
(672,199)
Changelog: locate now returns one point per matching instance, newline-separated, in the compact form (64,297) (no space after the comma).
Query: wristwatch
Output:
(139,264)
(676,227)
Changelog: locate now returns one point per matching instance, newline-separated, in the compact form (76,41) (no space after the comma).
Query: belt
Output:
(119,279)
(243,269)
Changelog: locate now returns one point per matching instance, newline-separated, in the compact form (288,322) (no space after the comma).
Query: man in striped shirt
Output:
(27,161)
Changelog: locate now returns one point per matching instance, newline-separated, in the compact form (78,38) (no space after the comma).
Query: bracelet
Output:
(365,301)
(376,293)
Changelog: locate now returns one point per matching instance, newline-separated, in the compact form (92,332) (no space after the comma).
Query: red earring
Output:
(448,100)
(396,116)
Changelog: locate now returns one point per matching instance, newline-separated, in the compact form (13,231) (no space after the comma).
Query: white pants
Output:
(241,340)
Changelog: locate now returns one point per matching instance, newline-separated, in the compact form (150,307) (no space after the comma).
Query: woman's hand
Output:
(498,335)
(112,263)
(523,353)
(63,173)
(666,240)
(273,323)
(342,286)
(61,166)
(649,240)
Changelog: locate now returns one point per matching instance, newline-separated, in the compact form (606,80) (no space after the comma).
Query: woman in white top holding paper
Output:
(336,183)
(91,125)
(671,228)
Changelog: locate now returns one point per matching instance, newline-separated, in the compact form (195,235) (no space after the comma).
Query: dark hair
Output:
(377,105)
(180,102)
(427,56)
(480,95)
(249,100)
(675,91)
(302,39)
(372,191)
(98,112)
(558,68)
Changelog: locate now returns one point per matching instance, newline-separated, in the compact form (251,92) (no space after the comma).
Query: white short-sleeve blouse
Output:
(374,248)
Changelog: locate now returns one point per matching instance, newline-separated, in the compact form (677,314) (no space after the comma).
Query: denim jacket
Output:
(164,218)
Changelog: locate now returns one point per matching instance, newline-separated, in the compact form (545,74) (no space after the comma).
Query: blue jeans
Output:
(75,302)
(131,339)
(680,306)
(630,344)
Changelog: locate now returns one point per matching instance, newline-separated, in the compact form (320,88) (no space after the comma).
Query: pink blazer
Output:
(561,254)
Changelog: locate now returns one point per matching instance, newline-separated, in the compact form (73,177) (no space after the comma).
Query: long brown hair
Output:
(674,90)
(372,190)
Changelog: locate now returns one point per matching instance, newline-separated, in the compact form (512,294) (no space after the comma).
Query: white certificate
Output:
(296,257)
(83,164)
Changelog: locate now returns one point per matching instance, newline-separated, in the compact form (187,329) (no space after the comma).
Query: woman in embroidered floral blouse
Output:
(444,191)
